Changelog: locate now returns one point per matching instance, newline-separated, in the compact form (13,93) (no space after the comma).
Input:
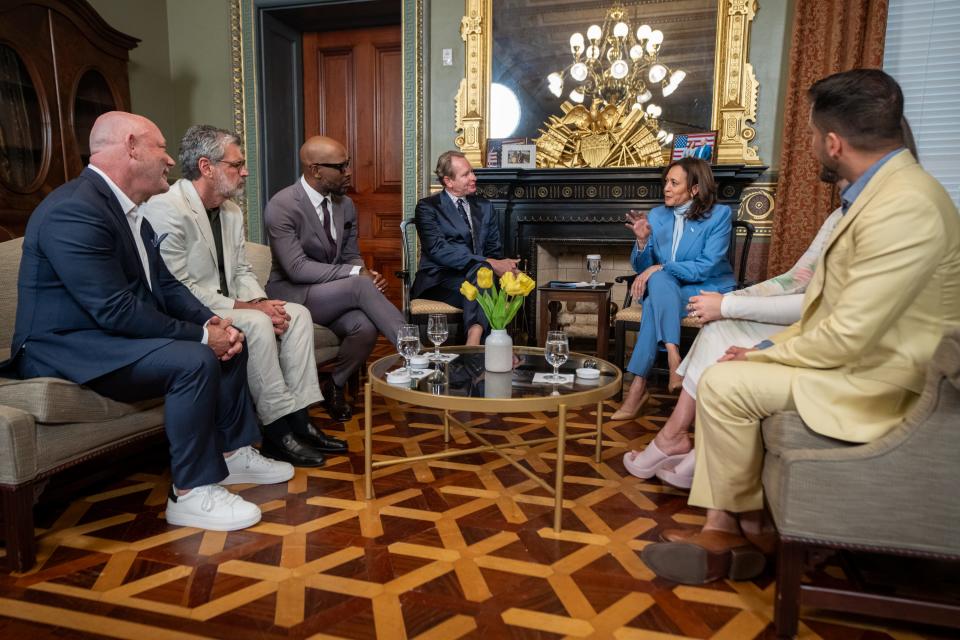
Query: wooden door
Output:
(353,92)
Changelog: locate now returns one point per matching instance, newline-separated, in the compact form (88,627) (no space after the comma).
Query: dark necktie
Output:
(466,219)
(327,221)
(214,216)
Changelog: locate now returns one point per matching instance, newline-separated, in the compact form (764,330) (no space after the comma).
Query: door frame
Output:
(247,66)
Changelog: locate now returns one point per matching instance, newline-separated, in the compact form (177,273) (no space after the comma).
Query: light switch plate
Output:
(447,57)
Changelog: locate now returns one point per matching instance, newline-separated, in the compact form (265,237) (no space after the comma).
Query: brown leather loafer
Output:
(677,535)
(704,557)
(765,541)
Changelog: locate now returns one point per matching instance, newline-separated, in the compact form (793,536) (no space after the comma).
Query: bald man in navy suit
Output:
(97,305)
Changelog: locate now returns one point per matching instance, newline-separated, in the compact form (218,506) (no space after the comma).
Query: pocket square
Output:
(158,239)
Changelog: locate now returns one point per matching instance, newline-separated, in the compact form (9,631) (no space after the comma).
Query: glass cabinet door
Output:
(93,97)
(22,124)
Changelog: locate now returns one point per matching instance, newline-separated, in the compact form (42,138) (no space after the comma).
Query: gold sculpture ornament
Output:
(612,136)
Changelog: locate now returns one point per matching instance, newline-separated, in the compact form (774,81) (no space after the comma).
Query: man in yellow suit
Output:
(886,287)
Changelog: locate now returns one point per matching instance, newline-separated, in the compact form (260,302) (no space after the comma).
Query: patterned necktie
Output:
(327,221)
(466,219)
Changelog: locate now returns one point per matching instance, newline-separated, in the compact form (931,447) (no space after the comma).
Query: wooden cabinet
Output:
(61,66)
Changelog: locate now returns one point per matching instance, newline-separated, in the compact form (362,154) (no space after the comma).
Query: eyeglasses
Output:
(340,166)
(237,164)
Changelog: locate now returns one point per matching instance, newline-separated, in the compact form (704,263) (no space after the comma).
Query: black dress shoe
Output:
(316,438)
(290,449)
(334,401)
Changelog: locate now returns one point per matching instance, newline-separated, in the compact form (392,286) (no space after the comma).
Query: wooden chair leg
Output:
(18,526)
(619,345)
(786,608)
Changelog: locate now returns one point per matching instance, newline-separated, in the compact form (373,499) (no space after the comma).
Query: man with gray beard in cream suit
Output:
(204,249)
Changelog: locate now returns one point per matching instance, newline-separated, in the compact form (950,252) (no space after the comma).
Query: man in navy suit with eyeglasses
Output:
(97,305)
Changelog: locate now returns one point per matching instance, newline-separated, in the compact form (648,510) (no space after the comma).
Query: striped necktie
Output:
(466,218)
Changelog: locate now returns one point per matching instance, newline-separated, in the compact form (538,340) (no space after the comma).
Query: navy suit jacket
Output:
(446,247)
(84,308)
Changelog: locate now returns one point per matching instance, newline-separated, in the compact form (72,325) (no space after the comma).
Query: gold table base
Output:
(576,398)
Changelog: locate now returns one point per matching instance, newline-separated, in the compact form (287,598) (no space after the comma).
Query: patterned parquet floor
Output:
(461,548)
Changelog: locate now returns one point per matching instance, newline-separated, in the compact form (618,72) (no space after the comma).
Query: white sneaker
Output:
(246,465)
(211,507)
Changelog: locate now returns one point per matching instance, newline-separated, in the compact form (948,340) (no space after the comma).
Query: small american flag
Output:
(698,145)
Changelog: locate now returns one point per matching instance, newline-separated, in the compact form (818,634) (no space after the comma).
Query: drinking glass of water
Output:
(556,351)
(437,331)
(593,268)
(408,343)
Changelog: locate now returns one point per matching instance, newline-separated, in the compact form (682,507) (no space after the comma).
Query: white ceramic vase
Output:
(498,351)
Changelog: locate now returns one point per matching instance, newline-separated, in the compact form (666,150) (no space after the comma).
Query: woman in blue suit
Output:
(681,250)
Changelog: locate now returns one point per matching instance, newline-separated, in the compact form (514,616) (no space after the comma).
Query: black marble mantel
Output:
(570,205)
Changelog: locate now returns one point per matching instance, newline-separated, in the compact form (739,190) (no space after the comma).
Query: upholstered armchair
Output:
(897,495)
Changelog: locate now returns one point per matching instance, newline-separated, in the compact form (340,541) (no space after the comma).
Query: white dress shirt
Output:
(134,219)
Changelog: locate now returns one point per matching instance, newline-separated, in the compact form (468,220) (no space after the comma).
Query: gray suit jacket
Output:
(302,254)
(189,250)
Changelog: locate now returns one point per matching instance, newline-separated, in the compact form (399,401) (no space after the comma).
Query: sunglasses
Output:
(340,166)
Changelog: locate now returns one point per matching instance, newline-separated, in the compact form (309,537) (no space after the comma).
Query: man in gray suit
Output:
(312,226)
(204,248)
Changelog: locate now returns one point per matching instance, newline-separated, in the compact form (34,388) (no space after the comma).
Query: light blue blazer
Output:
(702,254)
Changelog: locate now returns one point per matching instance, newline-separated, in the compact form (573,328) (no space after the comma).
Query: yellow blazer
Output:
(886,286)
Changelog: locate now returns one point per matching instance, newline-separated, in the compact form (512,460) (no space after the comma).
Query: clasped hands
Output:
(274,309)
(501,266)
(225,339)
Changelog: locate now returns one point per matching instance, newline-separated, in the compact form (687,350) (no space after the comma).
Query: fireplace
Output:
(559,209)
(566,260)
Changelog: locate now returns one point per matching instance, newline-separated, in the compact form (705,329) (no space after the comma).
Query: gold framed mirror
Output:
(733,89)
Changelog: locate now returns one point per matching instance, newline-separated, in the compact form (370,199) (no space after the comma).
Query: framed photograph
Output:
(495,149)
(695,145)
(519,156)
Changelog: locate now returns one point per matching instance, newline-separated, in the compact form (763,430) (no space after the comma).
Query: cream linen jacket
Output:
(190,253)
(885,288)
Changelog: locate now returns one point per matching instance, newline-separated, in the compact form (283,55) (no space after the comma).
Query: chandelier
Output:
(616,65)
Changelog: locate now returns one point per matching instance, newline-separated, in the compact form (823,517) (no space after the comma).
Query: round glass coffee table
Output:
(464,385)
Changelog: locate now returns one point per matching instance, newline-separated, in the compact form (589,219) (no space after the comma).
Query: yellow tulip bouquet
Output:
(499,305)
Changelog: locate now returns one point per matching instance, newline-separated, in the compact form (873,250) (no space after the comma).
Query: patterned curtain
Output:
(828,36)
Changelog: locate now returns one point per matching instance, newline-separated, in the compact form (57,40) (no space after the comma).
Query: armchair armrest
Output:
(18,446)
(894,492)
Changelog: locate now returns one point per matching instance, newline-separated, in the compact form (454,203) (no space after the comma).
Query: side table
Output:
(599,294)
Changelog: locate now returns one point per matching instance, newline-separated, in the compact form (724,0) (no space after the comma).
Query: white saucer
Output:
(419,362)
(400,376)
(588,374)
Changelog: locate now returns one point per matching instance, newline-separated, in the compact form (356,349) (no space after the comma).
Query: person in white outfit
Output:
(747,316)
(201,237)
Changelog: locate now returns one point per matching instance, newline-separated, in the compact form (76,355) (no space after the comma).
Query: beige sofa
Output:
(48,425)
